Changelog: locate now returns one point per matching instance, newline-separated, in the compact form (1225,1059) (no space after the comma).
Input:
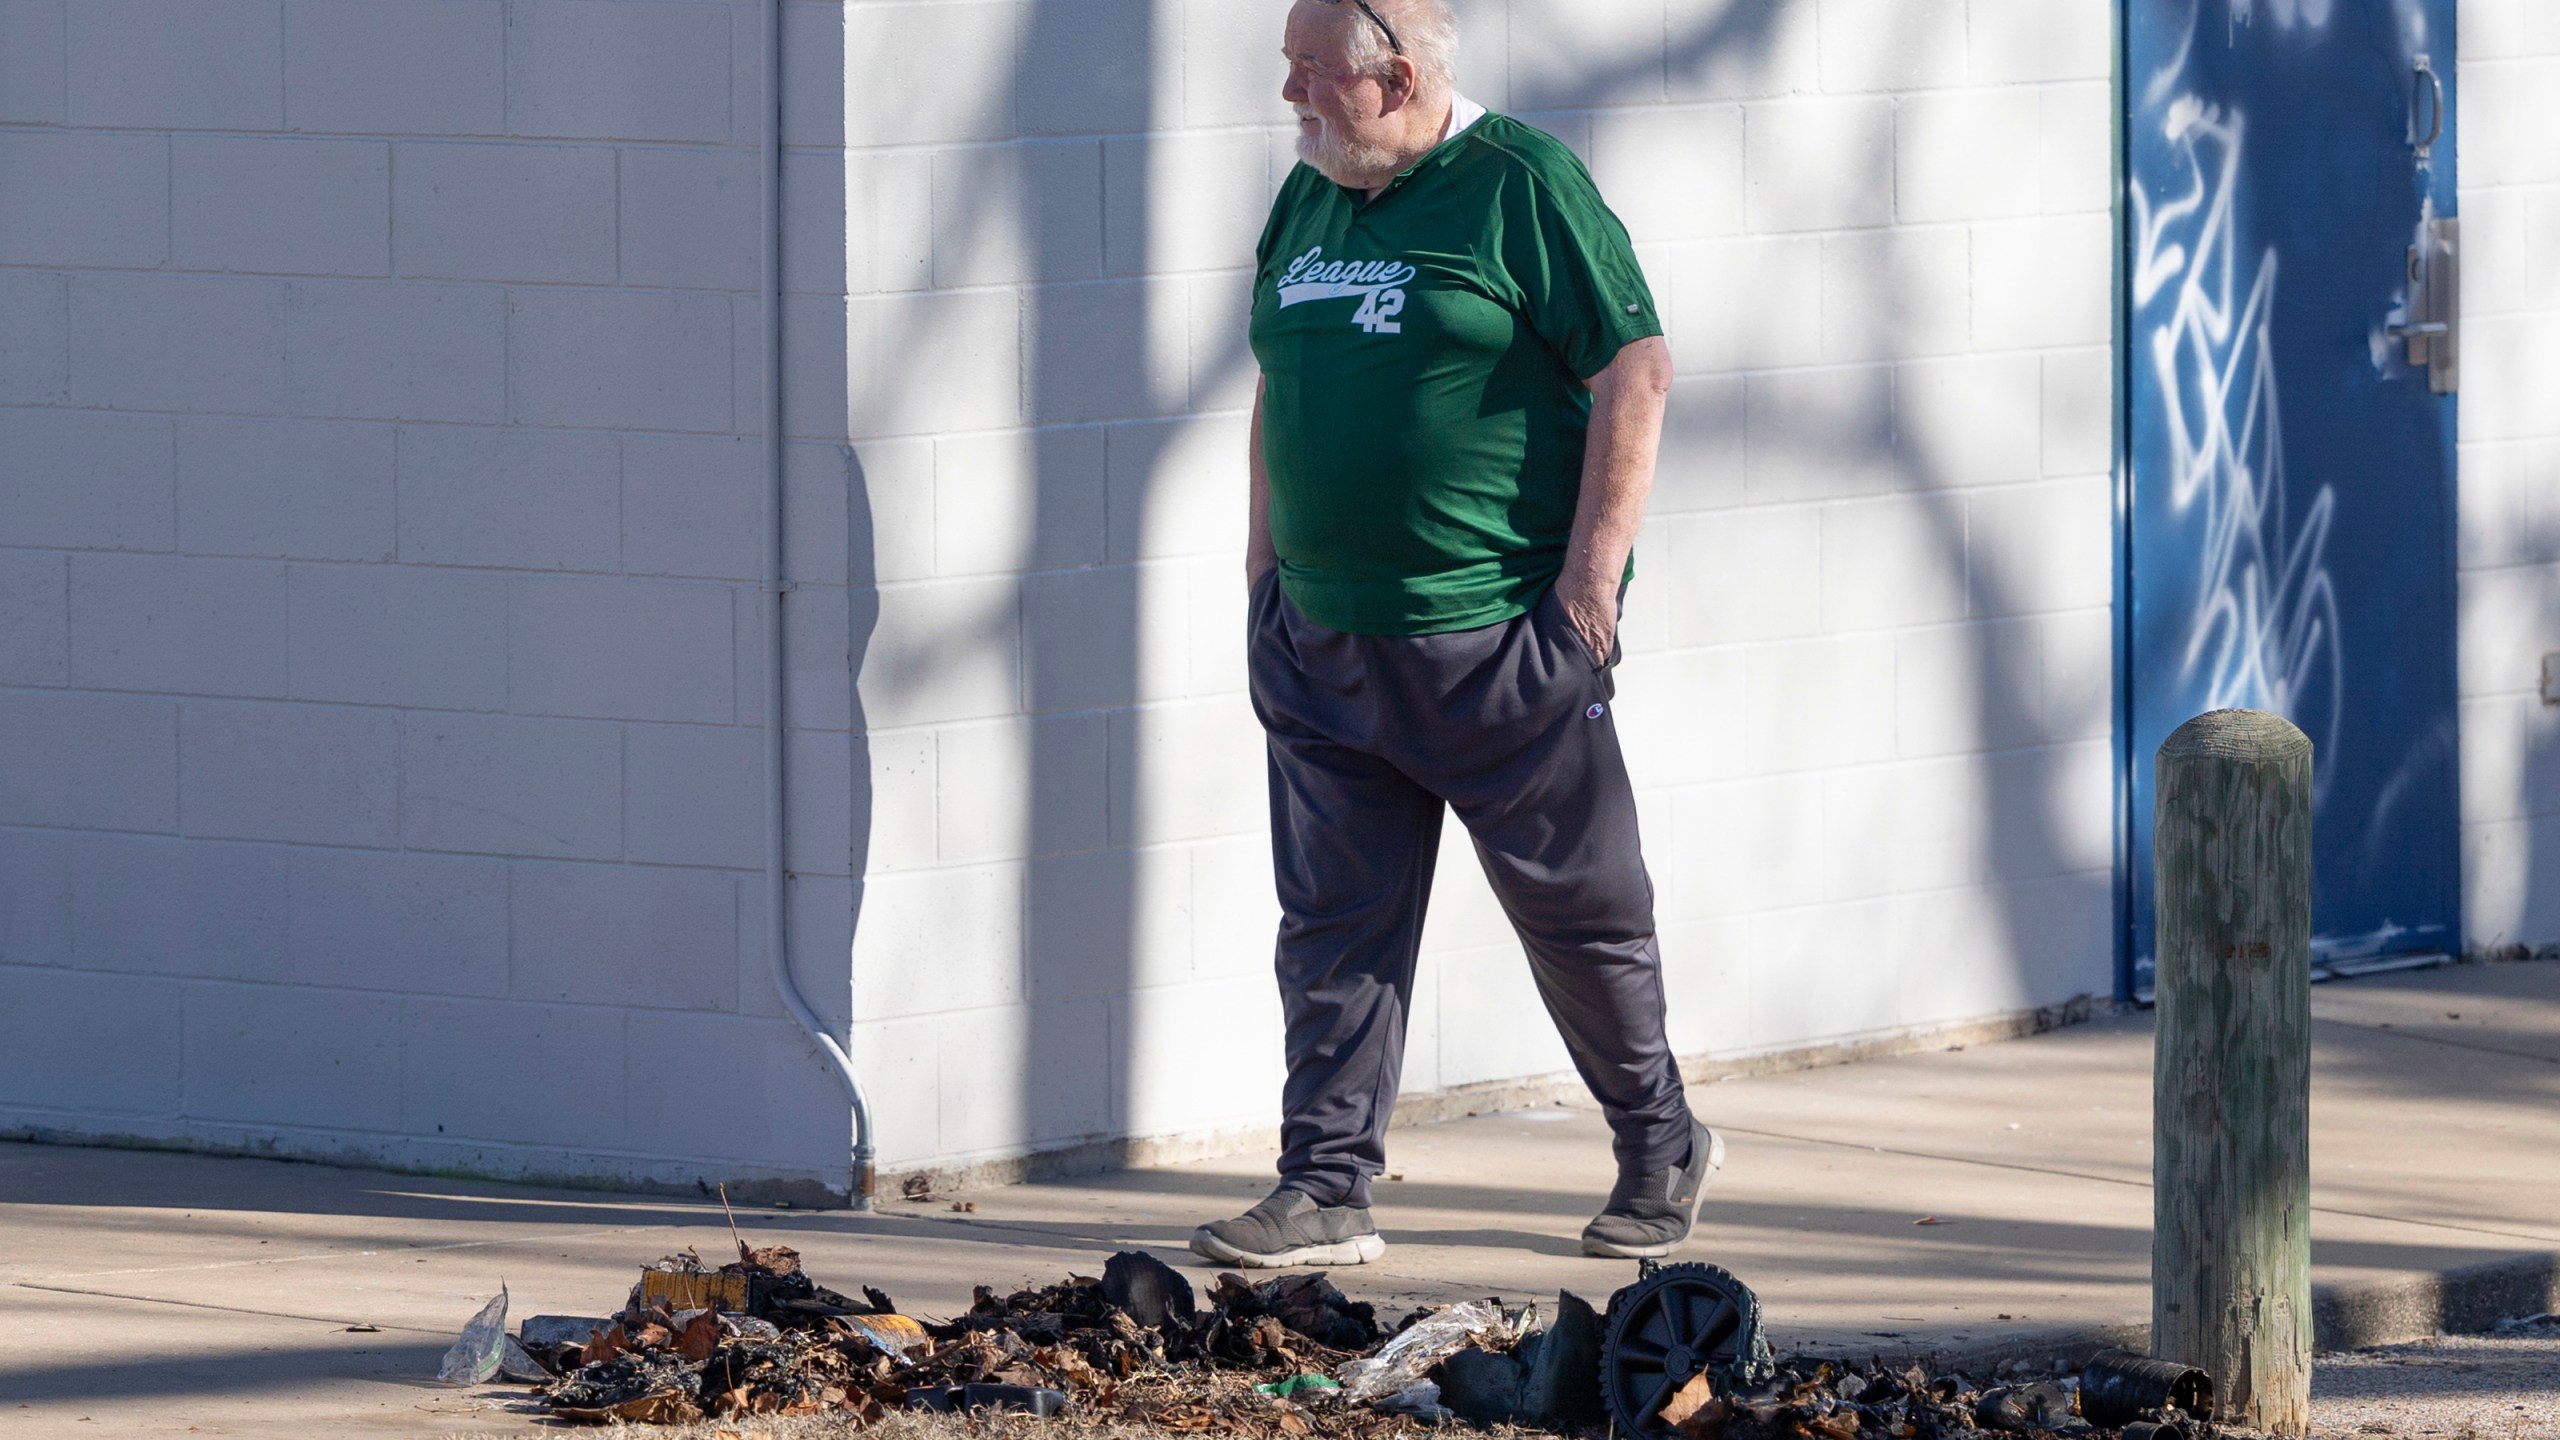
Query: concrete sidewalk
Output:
(1981,1201)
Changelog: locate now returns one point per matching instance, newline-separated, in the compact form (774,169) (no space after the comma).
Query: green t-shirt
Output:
(1423,357)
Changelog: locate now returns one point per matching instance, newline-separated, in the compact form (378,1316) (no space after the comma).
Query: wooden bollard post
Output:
(2231,1064)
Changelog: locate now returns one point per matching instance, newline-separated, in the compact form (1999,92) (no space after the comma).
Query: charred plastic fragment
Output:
(560,1329)
(2025,1409)
(651,1389)
(1494,1375)
(1481,1387)
(1153,1292)
(1561,1389)
(1306,1305)
(1028,1399)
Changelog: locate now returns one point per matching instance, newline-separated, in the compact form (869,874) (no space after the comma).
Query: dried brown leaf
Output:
(1708,1422)
(604,1346)
(1688,1400)
(1838,1425)
(700,1337)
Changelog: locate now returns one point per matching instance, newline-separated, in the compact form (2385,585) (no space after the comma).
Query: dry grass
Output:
(907,1425)
(898,1426)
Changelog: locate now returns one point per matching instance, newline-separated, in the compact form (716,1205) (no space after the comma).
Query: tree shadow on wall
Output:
(1090,366)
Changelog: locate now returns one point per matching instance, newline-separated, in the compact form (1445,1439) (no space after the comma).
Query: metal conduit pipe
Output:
(777,919)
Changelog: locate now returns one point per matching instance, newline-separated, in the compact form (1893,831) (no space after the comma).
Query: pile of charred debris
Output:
(1290,1356)
(762,1338)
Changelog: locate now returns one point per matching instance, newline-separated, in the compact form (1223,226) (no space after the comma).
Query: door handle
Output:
(2435,128)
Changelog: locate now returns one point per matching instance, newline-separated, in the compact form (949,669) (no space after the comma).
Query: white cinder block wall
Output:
(378,500)
(380,699)
(2510,472)
(1867,697)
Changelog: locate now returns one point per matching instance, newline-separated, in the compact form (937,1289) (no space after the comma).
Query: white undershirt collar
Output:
(1463,112)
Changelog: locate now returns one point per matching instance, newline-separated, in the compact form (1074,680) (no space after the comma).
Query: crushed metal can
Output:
(893,1334)
(680,1290)
(2119,1387)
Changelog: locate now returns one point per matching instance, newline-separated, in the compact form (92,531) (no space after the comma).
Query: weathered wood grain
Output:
(2231,1077)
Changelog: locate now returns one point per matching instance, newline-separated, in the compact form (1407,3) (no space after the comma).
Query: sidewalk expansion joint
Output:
(1051,1237)
(2538,1242)
(2397,1033)
(355,1254)
(1943,1159)
(339,1321)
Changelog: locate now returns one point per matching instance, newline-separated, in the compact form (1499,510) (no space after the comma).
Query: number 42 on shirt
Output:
(1377,312)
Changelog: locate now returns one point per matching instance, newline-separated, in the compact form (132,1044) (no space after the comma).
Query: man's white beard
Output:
(1344,162)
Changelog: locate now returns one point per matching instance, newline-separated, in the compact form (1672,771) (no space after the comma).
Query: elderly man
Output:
(1463,381)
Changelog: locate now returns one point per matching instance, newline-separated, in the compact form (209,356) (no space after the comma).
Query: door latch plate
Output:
(2433,331)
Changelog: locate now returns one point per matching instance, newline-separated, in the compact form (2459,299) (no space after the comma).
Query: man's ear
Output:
(1397,84)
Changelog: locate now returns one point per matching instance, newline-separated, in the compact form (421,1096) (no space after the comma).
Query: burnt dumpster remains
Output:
(1677,1354)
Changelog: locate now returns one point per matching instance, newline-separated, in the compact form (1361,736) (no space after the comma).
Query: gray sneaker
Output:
(1649,1215)
(1288,1228)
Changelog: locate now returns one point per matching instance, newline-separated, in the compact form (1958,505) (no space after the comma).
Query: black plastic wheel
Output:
(1665,1329)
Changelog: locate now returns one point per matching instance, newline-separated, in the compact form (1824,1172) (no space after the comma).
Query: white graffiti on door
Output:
(2262,620)
(2285,13)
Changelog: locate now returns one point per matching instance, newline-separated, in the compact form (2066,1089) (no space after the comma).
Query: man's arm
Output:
(1259,556)
(1627,400)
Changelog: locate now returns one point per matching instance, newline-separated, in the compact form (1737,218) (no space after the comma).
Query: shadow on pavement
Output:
(264,1369)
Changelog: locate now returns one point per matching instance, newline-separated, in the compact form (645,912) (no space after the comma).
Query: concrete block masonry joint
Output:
(776,879)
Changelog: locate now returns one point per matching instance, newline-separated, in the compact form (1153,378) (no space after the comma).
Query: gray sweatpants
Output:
(1510,726)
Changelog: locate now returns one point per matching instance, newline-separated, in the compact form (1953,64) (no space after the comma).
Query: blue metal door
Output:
(2288,527)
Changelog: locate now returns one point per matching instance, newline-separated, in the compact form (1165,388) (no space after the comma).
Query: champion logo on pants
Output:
(1594,712)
